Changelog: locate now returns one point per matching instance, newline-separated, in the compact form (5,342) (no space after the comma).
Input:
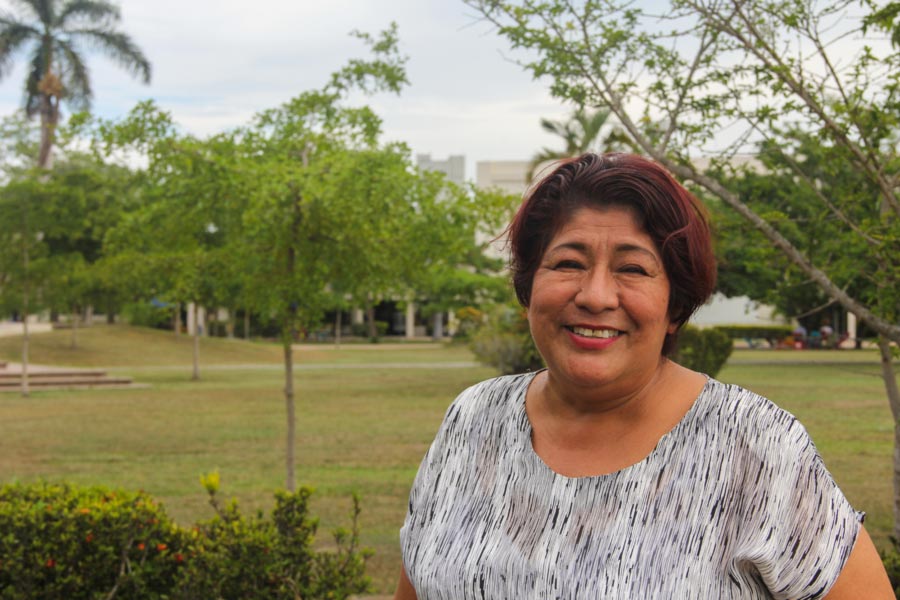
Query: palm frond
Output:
(119,47)
(36,70)
(42,9)
(12,36)
(95,11)
(75,76)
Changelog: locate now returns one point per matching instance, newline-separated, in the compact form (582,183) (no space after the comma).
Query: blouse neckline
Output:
(526,431)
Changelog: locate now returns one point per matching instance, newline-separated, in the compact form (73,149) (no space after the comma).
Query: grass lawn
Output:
(365,418)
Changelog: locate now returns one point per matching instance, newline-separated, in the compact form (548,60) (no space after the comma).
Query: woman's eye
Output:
(636,269)
(567,264)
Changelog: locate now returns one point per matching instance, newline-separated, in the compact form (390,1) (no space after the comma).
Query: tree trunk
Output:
(49,117)
(246,324)
(73,343)
(370,321)
(196,374)
(25,316)
(89,315)
(438,333)
(337,329)
(229,324)
(176,319)
(287,342)
(893,394)
(25,347)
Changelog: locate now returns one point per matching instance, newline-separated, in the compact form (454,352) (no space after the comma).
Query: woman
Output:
(616,473)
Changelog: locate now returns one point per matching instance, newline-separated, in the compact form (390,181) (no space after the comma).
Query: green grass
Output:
(364,418)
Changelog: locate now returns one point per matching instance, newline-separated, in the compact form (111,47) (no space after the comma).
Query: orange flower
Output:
(161,547)
(179,558)
(85,511)
(50,563)
(89,538)
(140,546)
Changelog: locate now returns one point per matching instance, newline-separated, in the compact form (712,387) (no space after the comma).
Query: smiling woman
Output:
(616,473)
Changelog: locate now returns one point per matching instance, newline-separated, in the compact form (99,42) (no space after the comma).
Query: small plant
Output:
(240,557)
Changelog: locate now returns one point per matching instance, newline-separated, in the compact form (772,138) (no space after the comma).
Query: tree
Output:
(719,77)
(57,29)
(580,134)
(187,225)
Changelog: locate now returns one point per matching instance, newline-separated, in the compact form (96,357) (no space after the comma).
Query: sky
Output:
(218,62)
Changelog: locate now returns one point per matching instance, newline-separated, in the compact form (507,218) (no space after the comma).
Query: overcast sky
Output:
(217,62)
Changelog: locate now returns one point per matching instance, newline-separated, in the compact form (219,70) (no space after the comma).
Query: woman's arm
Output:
(405,589)
(863,577)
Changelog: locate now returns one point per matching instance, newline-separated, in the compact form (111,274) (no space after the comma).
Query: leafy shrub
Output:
(61,542)
(469,319)
(703,350)
(58,541)
(256,558)
(891,560)
(504,341)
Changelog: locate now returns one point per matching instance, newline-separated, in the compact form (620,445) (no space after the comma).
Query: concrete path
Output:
(8,328)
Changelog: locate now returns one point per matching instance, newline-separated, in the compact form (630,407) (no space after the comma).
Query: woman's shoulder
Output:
(755,419)
(491,394)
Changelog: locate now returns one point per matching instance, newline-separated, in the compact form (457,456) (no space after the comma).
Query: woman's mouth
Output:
(602,334)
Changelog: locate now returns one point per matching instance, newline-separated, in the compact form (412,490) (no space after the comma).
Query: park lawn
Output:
(365,418)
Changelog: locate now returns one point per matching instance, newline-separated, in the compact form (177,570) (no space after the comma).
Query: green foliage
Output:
(703,350)
(62,542)
(362,330)
(891,560)
(240,557)
(145,314)
(741,81)
(503,341)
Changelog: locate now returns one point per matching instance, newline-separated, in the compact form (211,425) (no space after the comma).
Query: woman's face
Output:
(599,302)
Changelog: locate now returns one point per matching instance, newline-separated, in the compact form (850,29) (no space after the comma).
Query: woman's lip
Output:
(591,343)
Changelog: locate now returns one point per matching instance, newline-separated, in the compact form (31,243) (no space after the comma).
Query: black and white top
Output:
(734,502)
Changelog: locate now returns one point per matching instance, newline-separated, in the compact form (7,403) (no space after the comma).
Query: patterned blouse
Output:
(734,502)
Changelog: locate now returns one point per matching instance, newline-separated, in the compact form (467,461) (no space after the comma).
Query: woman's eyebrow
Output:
(578,246)
(626,248)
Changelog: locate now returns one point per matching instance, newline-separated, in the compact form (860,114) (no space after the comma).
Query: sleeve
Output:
(804,528)
(421,509)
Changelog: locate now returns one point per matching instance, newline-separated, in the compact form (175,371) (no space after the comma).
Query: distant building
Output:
(739,310)
(454,167)
(508,175)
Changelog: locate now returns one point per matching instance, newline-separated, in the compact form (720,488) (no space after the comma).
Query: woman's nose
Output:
(599,291)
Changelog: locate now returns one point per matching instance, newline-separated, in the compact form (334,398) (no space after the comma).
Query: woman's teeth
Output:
(595,333)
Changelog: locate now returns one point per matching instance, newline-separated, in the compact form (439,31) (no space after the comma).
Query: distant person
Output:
(827,334)
(615,472)
(815,339)
(799,333)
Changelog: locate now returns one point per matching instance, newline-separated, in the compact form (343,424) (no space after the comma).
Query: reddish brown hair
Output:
(672,217)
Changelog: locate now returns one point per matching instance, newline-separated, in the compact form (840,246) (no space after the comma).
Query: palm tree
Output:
(57,29)
(580,134)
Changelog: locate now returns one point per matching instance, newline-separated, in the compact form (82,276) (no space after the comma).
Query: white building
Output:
(454,167)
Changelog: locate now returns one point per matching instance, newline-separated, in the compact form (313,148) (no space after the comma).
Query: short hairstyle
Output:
(672,217)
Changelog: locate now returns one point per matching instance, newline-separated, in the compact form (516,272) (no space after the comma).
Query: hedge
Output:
(703,350)
(771,333)
(64,542)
